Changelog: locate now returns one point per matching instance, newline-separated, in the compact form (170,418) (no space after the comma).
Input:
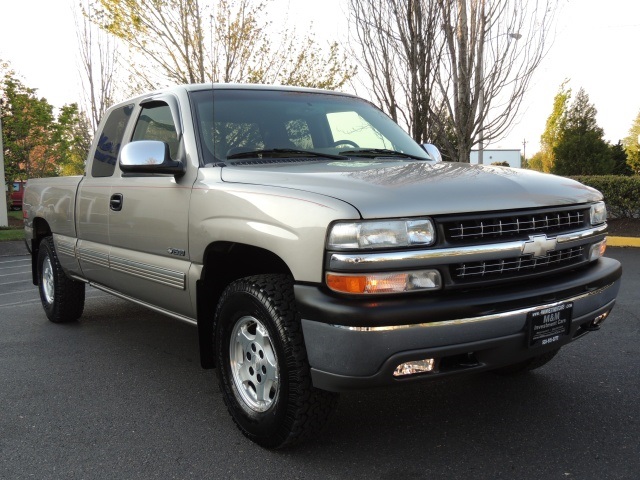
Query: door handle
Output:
(115,203)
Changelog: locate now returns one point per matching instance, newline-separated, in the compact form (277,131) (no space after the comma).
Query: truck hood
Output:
(381,188)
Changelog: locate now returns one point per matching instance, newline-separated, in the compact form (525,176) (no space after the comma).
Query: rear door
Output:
(93,198)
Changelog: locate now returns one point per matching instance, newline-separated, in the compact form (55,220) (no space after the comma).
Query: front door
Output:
(148,223)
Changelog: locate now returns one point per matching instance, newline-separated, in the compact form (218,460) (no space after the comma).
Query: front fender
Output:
(292,224)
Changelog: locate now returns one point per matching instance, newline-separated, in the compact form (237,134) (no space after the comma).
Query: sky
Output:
(595,47)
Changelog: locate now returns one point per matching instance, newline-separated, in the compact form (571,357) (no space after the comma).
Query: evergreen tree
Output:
(632,145)
(553,129)
(620,161)
(581,148)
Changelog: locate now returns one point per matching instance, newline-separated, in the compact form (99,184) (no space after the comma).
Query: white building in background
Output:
(512,157)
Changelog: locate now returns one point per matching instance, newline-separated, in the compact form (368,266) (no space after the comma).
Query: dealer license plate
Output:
(549,325)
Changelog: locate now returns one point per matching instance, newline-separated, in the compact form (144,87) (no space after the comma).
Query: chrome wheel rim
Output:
(254,365)
(47,280)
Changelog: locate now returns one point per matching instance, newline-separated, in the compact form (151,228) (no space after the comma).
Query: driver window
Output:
(156,123)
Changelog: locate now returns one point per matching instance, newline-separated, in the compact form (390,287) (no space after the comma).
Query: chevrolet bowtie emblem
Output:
(538,245)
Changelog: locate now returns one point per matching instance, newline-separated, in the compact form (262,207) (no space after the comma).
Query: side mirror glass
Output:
(149,156)
(433,151)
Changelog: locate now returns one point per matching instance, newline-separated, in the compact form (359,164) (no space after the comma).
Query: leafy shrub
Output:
(621,193)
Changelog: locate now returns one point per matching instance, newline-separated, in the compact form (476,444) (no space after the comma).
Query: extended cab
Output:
(318,248)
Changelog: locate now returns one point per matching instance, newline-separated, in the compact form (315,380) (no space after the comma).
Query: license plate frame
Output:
(549,325)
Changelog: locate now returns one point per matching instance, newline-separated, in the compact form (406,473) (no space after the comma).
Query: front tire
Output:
(62,298)
(263,371)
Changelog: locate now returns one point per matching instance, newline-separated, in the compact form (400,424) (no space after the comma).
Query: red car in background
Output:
(16,195)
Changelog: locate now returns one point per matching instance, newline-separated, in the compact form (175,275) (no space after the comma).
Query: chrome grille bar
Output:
(514,225)
(506,266)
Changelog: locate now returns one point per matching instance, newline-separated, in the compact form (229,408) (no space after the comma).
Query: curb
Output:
(623,242)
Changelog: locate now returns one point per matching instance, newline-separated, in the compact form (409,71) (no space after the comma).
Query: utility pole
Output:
(4,219)
(524,150)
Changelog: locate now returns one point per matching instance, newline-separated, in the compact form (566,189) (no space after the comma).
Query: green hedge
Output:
(622,194)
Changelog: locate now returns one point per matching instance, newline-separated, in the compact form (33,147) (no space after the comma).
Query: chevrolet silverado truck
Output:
(318,248)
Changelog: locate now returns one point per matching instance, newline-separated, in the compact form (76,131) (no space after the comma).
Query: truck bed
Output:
(52,199)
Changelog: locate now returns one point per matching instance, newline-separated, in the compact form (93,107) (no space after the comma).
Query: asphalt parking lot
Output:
(121,394)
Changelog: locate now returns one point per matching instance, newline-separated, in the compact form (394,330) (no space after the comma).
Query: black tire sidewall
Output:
(262,427)
(68,295)
(43,252)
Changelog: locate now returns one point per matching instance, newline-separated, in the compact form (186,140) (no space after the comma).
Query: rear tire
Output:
(527,365)
(263,371)
(62,298)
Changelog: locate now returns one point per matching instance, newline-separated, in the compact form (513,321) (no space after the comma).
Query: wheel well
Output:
(41,229)
(225,262)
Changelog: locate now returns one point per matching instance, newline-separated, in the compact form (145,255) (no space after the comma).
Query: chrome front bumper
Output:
(348,354)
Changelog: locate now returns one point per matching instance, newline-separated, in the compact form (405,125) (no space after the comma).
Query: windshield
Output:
(240,123)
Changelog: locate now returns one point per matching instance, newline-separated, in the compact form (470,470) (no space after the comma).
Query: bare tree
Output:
(227,41)
(98,54)
(483,54)
(492,50)
(169,34)
(399,57)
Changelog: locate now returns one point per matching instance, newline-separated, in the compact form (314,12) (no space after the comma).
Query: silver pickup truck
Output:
(318,248)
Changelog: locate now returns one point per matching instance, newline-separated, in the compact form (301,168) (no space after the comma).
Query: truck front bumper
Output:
(355,343)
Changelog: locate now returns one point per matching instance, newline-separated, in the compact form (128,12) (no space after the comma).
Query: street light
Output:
(515,36)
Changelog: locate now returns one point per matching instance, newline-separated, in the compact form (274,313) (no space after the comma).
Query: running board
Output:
(177,316)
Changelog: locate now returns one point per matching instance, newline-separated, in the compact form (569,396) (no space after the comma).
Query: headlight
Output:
(381,234)
(598,213)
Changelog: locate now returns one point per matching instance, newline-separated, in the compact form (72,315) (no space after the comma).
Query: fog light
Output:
(596,322)
(597,250)
(417,366)
(600,318)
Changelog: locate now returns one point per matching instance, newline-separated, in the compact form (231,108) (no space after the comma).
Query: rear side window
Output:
(109,141)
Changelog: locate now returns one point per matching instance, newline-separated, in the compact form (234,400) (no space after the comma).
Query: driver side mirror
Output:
(433,151)
(149,156)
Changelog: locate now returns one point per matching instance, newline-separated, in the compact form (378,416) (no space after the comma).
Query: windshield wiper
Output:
(284,153)
(380,152)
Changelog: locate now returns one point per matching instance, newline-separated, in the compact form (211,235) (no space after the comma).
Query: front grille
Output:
(498,269)
(508,226)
